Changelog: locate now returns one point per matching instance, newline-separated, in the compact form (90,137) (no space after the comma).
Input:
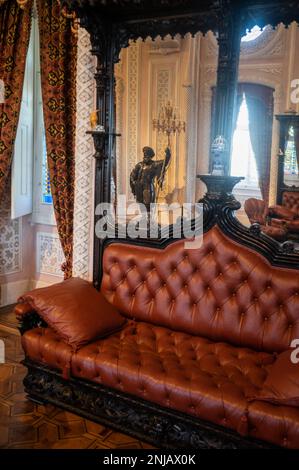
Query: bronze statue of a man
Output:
(148,175)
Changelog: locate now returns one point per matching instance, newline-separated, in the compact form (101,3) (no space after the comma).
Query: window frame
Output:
(43,213)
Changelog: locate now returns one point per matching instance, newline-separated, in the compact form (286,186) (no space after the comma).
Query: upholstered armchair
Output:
(257,212)
(287,213)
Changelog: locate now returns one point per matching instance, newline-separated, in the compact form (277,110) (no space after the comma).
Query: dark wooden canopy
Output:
(113,23)
(150,17)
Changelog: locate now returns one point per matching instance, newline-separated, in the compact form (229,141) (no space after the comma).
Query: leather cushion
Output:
(282,383)
(282,212)
(75,310)
(175,370)
(222,291)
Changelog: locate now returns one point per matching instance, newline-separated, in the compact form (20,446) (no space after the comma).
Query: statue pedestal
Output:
(220,187)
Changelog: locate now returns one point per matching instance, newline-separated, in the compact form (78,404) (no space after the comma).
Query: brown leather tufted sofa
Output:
(204,326)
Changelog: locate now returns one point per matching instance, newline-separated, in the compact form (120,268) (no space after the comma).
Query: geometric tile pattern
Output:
(8,321)
(25,425)
(49,254)
(10,239)
(84,161)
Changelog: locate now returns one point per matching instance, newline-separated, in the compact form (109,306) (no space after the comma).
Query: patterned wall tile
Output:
(10,240)
(49,254)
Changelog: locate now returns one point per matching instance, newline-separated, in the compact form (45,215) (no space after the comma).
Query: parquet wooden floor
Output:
(8,321)
(26,425)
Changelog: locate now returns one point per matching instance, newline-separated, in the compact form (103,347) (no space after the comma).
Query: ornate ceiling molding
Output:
(165,46)
(270,42)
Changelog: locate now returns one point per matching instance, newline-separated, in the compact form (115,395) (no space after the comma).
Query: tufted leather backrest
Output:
(222,291)
(290,200)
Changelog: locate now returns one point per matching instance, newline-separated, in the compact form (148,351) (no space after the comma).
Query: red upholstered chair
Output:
(257,212)
(288,212)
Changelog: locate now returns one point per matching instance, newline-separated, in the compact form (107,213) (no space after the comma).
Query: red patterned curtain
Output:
(15,25)
(58,75)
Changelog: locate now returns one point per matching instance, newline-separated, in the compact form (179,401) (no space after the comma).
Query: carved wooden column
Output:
(229,40)
(103,47)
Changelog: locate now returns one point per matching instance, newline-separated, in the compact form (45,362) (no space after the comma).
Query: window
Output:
(43,212)
(243,159)
(46,184)
(255,32)
(290,162)
(31,192)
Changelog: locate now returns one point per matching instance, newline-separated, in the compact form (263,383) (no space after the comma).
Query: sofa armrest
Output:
(281,212)
(281,386)
(22,309)
(280,223)
(28,318)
